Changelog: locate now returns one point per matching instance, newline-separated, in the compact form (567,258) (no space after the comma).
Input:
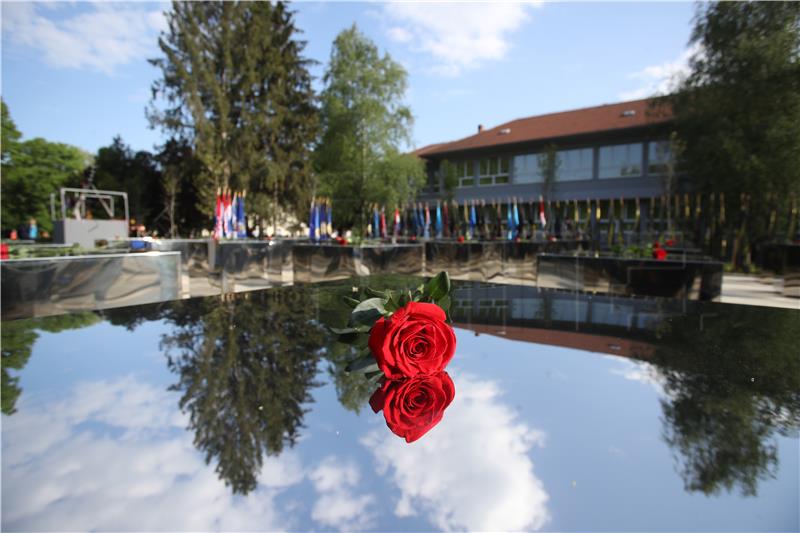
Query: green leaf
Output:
(364,364)
(352,302)
(368,312)
(438,287)
(375,294)
(444,303)
(374,375)
(363,328)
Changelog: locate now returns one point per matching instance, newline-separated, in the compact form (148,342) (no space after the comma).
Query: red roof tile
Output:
(619,116)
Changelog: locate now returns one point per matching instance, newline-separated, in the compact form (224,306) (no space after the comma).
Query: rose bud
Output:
(413,406)
(415,340)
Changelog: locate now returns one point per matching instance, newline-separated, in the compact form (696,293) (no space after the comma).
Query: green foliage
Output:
(364,126)
(10,136)
(32,170)
(738,112)
(179,170)
(236,86)
(18,338)
(449,174)
(118,168)
(732,380)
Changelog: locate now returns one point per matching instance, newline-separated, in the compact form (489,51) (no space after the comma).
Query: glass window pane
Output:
(575,164)
(493,166)
(504,165)
(501,179)
(484,167)
(658,156)
(623,160)
(486,181)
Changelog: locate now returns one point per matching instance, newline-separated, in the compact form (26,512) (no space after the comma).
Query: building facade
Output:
(610,168)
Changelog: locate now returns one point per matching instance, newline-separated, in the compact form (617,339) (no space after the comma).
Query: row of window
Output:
(618,161)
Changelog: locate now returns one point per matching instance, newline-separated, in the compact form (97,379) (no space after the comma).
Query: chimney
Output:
(480,128)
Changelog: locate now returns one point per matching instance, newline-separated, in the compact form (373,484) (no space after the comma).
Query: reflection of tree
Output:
(18,338)
(731,382)
(245,367)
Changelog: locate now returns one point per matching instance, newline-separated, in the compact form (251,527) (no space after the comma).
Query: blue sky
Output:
(78,72)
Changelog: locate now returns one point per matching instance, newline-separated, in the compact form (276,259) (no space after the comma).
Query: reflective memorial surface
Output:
(54,285)
(571,412)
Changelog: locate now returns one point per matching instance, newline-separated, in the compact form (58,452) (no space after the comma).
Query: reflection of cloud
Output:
(337,506)
(640,371)
(100,38)
(457,36)
(662,78)
(115,455)
(479,443)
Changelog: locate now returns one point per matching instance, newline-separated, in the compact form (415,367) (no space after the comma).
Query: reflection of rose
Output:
(413,406)
(415,340)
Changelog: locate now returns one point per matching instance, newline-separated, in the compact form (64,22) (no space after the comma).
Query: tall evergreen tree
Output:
(365,126)
(738,114)
(236,85)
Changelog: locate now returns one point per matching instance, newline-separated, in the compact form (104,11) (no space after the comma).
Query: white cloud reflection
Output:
(336,505)
(473,471)
(114,455)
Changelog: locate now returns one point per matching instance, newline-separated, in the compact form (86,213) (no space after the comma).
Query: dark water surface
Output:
(571,412)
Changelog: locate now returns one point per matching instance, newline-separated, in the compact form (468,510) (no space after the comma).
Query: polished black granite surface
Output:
(571,412)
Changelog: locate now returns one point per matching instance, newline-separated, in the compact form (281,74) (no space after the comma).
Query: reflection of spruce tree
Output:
(245,368)
(729,387)
(18,338)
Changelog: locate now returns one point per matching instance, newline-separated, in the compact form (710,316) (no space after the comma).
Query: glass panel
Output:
(526,169)
(493,166)
(484,167)
(623,160)
(501,179)
(575,164)
(504,165)
(658,155)
(486,181)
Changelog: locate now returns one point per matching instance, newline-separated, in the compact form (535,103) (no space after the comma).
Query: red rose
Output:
(460,238)
(415,340)
(413,406)
(660,254)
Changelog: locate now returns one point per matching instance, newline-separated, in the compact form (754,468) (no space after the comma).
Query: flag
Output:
(226,229)
(509,222)
(427,221)
(317,229)
(311,228)
(473,220)
(242,218)
(439,224)
(383,222)
(218,212)
(516,220)
(542,216)
(396,228)
(329,212)
(376,222)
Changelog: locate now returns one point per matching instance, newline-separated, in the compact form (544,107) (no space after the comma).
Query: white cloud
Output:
(479,443)
(644,373)
(102,38)
(457,36)
(660,79)
(115,456)
(336,505)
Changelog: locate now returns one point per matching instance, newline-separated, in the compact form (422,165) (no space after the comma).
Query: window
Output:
(659,156)
(493,171)
(465,172)
(526,169)
(574,164)
(621,161)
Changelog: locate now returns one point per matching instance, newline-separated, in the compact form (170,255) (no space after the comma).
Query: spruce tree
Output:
(236,86)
